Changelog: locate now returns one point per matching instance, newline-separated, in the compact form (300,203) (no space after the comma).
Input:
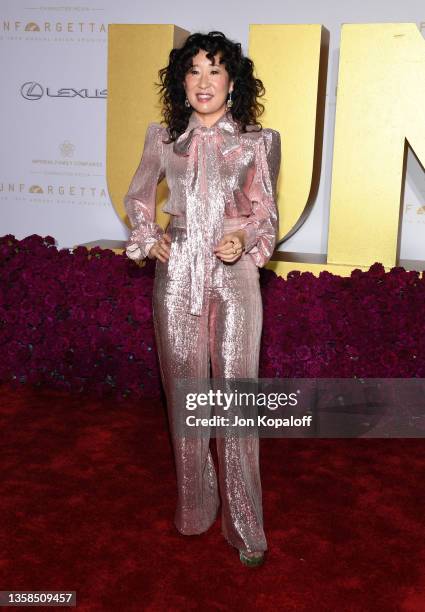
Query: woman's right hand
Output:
(161,249)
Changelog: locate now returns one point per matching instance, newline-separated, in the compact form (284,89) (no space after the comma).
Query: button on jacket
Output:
(213,173)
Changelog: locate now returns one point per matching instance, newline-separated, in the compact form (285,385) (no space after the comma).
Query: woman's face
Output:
(207,87)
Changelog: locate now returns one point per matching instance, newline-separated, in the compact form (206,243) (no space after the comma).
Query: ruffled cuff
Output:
(137,247)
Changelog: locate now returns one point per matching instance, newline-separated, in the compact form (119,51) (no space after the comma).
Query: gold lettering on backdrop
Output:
(291,60)
(381,96)
(381,89)
(135,54)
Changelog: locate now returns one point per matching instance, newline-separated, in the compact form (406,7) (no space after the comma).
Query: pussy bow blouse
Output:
(212,173)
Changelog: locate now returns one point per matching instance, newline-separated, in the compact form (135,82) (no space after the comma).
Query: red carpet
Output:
(88,497)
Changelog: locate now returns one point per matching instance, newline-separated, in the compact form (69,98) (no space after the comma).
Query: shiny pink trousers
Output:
(226,338)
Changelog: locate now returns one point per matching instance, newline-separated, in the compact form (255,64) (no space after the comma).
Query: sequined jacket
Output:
(212,173)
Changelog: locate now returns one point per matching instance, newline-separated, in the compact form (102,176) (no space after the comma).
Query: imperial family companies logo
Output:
(67,149)
(66,159)
(32,90)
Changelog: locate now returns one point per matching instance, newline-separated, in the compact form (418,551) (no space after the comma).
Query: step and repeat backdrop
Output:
(54,94)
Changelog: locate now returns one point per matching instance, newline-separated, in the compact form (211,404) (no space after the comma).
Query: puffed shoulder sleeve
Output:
(263,224)
(140,200)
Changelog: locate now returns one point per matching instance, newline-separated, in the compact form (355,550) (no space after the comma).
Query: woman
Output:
(221,169)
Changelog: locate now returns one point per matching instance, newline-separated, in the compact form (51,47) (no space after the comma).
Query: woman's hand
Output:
(161,249)
(231,246)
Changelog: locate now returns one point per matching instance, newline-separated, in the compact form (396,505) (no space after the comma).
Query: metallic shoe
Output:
(251,561)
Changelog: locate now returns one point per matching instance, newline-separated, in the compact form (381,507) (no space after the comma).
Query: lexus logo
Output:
(34,91)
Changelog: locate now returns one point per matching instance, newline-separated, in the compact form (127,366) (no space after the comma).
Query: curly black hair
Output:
(246,88)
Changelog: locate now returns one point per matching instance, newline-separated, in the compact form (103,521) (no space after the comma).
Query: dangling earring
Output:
(186,102)
(229,101)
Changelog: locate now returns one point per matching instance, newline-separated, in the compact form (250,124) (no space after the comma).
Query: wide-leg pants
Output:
(223,342)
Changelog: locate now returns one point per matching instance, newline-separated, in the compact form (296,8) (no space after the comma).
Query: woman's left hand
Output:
(231,246)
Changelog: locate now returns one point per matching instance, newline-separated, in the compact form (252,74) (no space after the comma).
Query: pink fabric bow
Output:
(204,197)
(225,128)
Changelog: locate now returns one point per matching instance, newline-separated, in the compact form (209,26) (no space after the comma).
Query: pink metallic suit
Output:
(208,313)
